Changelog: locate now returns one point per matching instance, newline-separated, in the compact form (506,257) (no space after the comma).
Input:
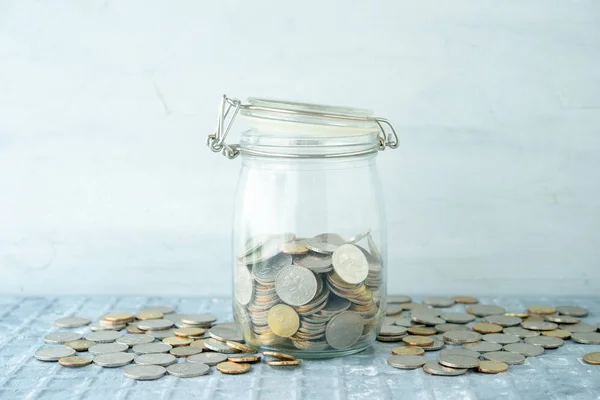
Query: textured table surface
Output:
(558,374)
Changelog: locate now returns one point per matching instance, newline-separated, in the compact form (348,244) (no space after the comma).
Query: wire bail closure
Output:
(230,108)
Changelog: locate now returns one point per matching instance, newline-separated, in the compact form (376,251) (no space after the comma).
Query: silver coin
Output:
(112,360)
(188,370)
(458,361)
(483,347)
(207,358)
(252,244)
(484,310)
(573,311)
(358,237)
(335,305)
(426,317)
(437,344)
(132,340)
(403,321)
(500,338)
(61,337)
(219,346)
(586,337)
(224,333)
(161,334)
(435,368)
(450,327)
(103,336)
(185,351)
(244,285)
(71,322)
(398,298)
(344,329)
(393,309)
(266,272)
(54,353)
(198,319)
(547,342)
(314,262)
(296,285)
(103,348)
(539,325)
(325,243)
(461,337)
(155,324)
(503,320)
(562,319)
(461,352)
(392,330)
(526,349)
(144,372)
(457,317)
(97,327)
(580,327)
(505,357)
(350,264)
(161,359)
(407,362)
(147,348)
(439,301)
(520,332)
(161,309)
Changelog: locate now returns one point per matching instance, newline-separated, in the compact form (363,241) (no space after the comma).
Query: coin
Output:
(461,352)
(450,327)
(485,327)
(145,315)
(112,360)
(586,337)
(188,370)
(231,368)
(517,314)
(421,330)
(457,317)
(559,333)
(465,300)
(407,362)
(539,325)
(426,317)
(483,347)
(526,349)
(134,330)
(541,310)
(592,358)
(147,348)
(435,368)
(161,359)
(393,309)
(325,243)
(71,322)
(439,301)
(483,310)
(520,332)
(177,341)
(80,345)
(61,337)
(144,372)
(501,338)
(119,317)
(458,361)
(98,326)
(315,262)
(240,346)
(244,358)
(408,351)
(75,361)
(199,344)
(207,358)
(132,340)
(161,334)
(506,357)
(244,284)
(393,330)
(562,319)
(418,340)
(283,320)
(492,367)
(103,348)
(580,327)
(350,264)
(296,285)
(295,248)
(461,337)
(281,356)
(219,346)
(103,336)
(398,298)
(284,363)
(547,342)
(573,311)
(161,309)
(503,320)
(344,329)
(54,353)
(155,324)
(185,351)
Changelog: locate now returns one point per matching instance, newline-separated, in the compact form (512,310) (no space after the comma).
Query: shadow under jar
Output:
(309,233)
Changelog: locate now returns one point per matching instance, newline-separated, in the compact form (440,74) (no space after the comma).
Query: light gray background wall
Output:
(106,186)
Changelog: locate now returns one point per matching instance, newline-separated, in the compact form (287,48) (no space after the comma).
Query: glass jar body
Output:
(309,254)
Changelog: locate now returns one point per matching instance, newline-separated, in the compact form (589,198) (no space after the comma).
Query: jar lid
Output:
(293,129)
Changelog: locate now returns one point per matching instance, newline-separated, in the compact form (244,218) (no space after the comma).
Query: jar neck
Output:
(281,163)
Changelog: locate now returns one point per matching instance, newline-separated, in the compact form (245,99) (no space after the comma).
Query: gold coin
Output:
(293,248)
(189,332)
(492,367)
(421,331)
(75,361)
(486,327)
(541,310)
(408,351)
(465,300)
(283,320)
(248,358)
(177,341)
(559,333)
(80,345)
(119,317)
(281,356)
(284,363)
(240,346)
(517,314)
(422,341)
(199,343)
(133,329)
(592,358)
(232,368)
(146,315)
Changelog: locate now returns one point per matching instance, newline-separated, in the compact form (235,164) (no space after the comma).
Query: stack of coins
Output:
(309,294)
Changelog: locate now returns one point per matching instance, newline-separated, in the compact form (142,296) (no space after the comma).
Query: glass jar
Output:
(309,233)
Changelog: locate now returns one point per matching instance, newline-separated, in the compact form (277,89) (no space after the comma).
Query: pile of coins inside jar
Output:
(485,338)
(317,294)
(158,342)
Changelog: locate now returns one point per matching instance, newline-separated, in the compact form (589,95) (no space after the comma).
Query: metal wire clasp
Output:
(216,140)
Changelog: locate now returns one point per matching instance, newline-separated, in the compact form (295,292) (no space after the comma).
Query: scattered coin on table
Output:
(54,353)
(71,322)
(144,372)
(113,360)
(188,370)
